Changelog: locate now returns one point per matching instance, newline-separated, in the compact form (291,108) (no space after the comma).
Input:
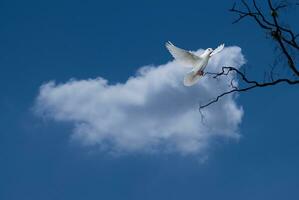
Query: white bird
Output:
(198,63)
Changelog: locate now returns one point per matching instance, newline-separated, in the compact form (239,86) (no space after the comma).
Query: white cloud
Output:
(150,112)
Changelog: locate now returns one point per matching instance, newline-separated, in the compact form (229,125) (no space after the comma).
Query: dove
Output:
(198,63)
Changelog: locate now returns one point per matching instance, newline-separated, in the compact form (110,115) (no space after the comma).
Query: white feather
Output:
(198,63)
(191,78)
(187,57)
(218,49)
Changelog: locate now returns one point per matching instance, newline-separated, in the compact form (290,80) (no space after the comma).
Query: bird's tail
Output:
(191,78)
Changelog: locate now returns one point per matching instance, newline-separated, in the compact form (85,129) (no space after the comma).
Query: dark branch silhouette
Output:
(251,84)
(282,36)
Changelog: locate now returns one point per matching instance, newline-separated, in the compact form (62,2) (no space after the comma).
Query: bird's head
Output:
(208,51)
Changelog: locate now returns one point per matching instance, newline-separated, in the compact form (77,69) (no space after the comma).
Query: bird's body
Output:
(198,70)
(198,63)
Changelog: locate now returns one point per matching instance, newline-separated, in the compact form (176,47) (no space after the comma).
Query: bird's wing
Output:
(182,55)
(218,49)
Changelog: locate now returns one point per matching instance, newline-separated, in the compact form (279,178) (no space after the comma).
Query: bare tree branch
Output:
(285,39)
(251,84)
(279,33)
(278,37)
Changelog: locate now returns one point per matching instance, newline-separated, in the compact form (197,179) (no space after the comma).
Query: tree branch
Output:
(286,41)
(283,36)
(251,84)
(279,40)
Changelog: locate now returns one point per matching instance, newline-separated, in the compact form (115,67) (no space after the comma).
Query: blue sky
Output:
(60,40)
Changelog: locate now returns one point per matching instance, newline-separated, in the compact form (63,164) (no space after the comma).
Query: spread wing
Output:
(218,49)
(185,56)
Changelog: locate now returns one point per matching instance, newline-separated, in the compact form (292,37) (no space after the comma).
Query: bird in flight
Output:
(198,63)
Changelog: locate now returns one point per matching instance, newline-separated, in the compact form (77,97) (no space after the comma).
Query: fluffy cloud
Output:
(150,112)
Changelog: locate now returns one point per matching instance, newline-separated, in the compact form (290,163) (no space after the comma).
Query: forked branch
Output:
(249,84)
(284,37)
